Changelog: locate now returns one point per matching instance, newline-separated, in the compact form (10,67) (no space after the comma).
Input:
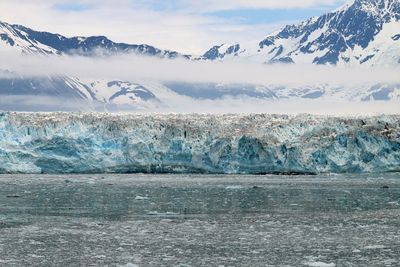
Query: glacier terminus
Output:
(225,144)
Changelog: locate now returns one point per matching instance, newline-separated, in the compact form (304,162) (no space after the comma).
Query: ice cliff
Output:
(249,144)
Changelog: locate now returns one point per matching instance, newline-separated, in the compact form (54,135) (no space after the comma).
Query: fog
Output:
(32,103)
(153,72)
(138,68)
(219,106)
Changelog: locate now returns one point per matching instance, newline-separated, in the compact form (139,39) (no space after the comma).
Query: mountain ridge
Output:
(350,35)
(32,41)
(360,32)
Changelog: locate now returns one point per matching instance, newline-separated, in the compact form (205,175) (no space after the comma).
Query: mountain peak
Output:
(360,32)
(31,41)
(387,9)
(375,2)
(222,51)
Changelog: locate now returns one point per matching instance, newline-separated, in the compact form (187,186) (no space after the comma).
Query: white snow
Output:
(22,45)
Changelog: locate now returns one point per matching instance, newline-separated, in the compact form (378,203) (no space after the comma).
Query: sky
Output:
(186,26)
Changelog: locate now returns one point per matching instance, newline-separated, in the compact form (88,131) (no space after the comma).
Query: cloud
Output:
(211,5)
(141,68)
(292,106)
(153,72)
(182,25)
(227,105)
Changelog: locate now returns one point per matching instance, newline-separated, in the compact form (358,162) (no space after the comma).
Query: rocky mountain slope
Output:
(363,32)
(26,40)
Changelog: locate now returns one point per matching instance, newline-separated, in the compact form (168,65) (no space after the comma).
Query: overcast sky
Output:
(187,26)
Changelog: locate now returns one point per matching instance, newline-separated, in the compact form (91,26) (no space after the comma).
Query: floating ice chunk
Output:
(129,265)
(374,247)
(320,264)
(141,198)
(234,187)
(156,213)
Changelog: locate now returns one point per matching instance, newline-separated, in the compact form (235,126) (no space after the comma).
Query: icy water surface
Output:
(193,220)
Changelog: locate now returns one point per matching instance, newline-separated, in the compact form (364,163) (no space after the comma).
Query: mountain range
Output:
(27,40)
(362,32)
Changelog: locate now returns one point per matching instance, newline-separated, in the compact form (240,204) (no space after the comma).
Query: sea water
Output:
(199,220)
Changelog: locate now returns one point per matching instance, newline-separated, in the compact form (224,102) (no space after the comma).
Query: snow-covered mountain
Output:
(361,32)
(71,94)
(77,94)
(43,93)
(26,40)
(365,32)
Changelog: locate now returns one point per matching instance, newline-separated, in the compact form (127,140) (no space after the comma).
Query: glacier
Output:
(196,143)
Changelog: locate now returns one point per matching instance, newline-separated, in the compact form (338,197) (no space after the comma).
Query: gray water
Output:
(198,220)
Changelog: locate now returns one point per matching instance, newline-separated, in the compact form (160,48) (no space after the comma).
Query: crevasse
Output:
(245,144)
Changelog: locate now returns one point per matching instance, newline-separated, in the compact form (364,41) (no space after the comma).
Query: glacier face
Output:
(247,144)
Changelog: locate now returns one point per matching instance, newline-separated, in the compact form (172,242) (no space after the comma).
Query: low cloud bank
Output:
(219,106)
(140,68)
(153,72)
(33,103)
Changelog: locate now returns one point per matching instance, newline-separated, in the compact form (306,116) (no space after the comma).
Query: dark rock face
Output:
(7,39)
(213,53)
(217,52)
